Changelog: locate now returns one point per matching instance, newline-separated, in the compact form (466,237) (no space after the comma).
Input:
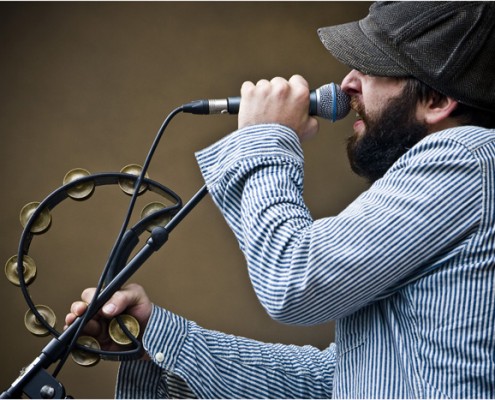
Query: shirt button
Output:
(159,357)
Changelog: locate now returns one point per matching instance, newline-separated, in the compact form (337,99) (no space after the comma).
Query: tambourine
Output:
(36,219)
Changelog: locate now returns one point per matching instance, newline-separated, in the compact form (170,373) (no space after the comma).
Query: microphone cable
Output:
(328,102)
(105,276)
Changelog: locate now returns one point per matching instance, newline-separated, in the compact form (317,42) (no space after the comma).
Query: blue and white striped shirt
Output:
(407,271)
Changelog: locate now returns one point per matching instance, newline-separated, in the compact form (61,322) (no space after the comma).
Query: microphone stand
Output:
(35,381)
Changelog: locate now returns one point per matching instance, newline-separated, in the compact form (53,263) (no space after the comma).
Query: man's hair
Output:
(466,115)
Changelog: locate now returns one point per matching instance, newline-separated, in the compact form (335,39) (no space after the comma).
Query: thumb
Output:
(110,309)
(131,298)
(117,304)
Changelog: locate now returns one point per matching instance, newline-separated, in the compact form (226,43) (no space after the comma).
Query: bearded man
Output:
(407,270)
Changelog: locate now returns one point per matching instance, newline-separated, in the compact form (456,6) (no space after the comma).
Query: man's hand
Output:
(132,299)
(278,101)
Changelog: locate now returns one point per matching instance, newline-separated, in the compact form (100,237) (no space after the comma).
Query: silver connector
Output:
(218,106)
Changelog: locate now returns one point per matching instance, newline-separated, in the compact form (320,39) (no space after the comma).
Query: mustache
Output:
(357,106)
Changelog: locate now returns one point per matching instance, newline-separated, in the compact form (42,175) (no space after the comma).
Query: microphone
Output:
(328,101)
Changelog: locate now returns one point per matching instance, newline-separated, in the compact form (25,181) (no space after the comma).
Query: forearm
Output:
(307,271)
(217,365)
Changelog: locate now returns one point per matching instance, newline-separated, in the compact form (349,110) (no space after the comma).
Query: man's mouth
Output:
(359,125)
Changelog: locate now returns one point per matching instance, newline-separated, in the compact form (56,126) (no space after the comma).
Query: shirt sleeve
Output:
(307,271)
(189,361)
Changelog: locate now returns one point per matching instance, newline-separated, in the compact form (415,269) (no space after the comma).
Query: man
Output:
(407,270)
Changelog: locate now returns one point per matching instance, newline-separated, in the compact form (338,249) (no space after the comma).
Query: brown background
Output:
(88,85)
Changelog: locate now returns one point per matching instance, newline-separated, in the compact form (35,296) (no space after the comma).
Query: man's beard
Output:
(386,137)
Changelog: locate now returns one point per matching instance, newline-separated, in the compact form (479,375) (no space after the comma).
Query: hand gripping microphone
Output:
(328,101)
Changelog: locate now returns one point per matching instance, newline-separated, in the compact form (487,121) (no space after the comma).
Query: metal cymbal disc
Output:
(32,323)
(28,270)
(43,221)
(85,358)
(81,191)
(127,185)
(116,332)
(152,208)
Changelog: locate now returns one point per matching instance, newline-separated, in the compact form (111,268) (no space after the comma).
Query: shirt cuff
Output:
(164,337)
(266,141)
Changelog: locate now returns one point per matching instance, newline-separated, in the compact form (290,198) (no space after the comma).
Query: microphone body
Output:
(328,101)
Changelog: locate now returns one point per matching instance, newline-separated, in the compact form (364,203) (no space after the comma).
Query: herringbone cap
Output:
(450,46)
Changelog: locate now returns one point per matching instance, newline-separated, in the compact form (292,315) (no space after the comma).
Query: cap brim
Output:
(349,44)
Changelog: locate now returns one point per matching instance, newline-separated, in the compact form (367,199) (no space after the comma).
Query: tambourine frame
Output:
(62,193)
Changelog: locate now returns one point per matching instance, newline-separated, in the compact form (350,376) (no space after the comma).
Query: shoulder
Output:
(470,143)
(471,138)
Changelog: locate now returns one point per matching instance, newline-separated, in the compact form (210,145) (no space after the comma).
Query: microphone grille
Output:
(333,103)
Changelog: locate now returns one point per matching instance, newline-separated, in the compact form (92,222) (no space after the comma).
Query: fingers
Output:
(277,83)
(262,82)
(280,101)
(299,80)
(131,299)
(77,309)
(121,300)
(277,87)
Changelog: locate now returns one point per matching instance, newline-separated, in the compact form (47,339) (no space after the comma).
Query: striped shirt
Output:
(407,271)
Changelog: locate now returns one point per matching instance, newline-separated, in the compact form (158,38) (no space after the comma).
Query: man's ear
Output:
(436,110)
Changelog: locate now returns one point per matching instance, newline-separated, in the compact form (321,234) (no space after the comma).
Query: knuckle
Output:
(119,297)
(281,89)
(132,286)
(87,294)
(73,307)
(247,87)
(300,90)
